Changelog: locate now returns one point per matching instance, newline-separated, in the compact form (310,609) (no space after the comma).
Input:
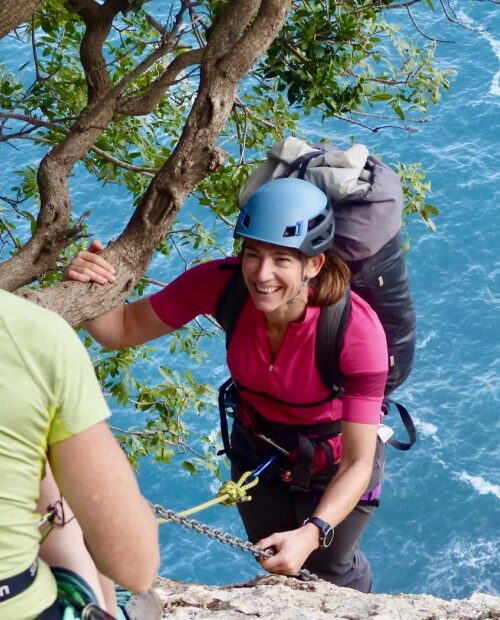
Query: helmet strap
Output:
(304,282)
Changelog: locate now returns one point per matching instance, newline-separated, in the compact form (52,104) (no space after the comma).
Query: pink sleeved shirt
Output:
(293,375)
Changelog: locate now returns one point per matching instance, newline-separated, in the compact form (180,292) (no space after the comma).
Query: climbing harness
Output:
(190,524)
(279,438)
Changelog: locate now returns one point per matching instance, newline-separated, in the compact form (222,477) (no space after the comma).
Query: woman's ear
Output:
(313,265)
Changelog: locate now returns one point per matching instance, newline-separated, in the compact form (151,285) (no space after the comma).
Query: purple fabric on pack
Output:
(373,494)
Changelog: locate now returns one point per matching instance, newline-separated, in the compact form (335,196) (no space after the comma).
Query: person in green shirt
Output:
(52,413)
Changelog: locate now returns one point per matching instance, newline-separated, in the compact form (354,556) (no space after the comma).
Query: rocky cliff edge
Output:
(280,598)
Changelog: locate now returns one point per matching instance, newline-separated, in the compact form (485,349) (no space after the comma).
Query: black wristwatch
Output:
(325,531)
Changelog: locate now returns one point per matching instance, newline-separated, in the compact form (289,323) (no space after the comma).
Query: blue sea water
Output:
(437,528)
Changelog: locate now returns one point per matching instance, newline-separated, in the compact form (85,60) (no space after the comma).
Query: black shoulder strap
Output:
(329,339)
(230,303)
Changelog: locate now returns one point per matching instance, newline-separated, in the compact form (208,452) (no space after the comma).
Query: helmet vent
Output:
(290,231)
(320,239)
(315,222)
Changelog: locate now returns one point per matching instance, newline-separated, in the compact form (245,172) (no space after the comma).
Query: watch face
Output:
(327,537)
(327,532)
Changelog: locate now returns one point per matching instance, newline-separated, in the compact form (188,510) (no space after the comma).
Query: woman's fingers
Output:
(88,273)
(271,543)
(291,549)
(88,266)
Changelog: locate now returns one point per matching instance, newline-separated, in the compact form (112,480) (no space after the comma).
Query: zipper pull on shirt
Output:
(271,366)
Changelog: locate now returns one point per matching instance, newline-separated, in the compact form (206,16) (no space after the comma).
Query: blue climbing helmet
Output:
(291,213)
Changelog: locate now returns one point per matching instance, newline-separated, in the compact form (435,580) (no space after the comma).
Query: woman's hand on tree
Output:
(88,266)
(291,549)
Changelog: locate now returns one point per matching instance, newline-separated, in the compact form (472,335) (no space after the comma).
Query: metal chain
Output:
(228,539)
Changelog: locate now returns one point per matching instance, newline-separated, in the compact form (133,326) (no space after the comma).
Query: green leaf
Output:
(397,109)
(190,467)
(431,209)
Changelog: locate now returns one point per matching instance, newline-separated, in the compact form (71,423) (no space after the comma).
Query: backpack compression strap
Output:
(300,164)
(407,423)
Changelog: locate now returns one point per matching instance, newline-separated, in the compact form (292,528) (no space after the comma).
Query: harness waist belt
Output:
(289,434)
(12,586)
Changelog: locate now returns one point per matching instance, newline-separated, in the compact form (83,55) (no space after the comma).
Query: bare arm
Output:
(338,500)
(64,547)
(124,326)
(353,476)
(128,325)
(118,525)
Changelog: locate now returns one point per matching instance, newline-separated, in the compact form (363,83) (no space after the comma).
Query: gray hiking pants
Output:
(274,508)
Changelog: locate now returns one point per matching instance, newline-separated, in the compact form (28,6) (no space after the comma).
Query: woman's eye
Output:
(282,259)
(251,255)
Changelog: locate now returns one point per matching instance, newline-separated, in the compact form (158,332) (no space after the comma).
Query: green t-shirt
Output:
(48,393)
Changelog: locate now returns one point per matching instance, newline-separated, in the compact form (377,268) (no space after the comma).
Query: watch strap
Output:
(326,531)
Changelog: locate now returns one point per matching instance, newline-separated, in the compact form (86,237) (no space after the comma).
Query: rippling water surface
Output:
(437,528)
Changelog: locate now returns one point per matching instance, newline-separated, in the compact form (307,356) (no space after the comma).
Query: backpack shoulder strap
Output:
(329,339)
(230,303)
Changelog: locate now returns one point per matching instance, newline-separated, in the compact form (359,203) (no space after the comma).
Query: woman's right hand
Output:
(88,266)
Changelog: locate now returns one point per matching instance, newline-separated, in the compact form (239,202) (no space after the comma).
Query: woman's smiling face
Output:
(273,274)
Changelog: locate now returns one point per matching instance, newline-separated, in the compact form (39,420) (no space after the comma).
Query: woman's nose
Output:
(264,271)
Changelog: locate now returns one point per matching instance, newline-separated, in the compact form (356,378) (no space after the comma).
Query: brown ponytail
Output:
(330,283)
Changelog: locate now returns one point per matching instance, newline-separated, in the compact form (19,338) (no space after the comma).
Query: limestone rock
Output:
(281,598)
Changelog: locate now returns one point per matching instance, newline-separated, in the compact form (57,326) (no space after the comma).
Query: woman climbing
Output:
(313,505)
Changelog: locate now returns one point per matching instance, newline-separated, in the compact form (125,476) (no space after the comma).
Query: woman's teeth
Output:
(266,290)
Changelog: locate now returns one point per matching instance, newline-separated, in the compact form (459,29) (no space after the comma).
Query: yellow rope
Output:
(229,494)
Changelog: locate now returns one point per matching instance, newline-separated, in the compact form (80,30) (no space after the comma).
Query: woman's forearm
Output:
(109,328)
(128,325)
(344,492)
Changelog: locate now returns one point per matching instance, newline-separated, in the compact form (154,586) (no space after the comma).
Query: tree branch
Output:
(33,120)
(53,125)
(139,106)
(453,20)
(420,31)
(51,235)
(150,172)
(194,157)
(33,47)
(406,128)
(6,227)
(98,20)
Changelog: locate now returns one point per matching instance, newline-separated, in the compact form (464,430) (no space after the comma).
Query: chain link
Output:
(228,539)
